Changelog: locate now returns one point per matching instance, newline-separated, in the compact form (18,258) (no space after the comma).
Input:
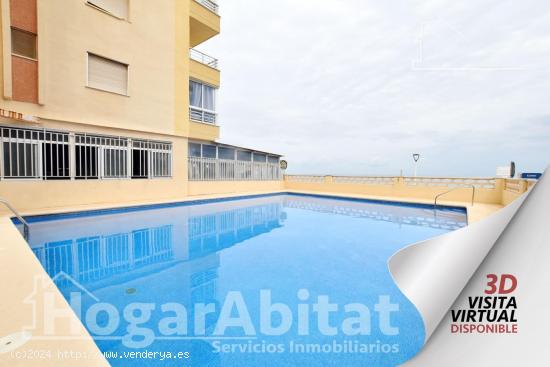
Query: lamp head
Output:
(416,157)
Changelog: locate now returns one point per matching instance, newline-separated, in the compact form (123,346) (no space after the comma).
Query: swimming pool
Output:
(280,280)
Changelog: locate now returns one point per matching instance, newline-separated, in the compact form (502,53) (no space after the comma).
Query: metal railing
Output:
(456,188)
(197,114)
(212,169)
(203,58)
(18,216)
(209,4)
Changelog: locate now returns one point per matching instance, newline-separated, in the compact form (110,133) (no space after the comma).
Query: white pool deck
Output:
(20,268)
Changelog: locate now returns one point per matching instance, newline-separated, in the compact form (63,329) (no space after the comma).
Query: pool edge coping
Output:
(76,213)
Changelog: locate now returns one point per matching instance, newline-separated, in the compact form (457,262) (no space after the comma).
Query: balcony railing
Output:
(209,4)
(197,114)
(212,169)
(203,58)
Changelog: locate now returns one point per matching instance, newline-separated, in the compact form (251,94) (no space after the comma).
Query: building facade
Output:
(107,101)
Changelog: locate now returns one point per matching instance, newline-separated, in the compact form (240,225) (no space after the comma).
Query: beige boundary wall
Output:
(494,191)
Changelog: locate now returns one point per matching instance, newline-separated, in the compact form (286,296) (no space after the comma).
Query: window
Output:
(55,156)
(118,8)
(209,151)
(226,153)
(140,160)
(202,104)
(258,157)
(20,159)
(23,43)
(194,150)
(230,164)
(273,159)
(244,156)
(115,161)
(100,157)
(35,154)
(107,75)
(195,94)
(44,154)
(87,157)
(20,151)
(162,159)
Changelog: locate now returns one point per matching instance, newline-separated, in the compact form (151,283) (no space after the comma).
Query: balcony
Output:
(203,58)
(204,21)
(209,4)
(203,68)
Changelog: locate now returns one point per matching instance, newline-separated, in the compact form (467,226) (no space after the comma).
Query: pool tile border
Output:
(126,209)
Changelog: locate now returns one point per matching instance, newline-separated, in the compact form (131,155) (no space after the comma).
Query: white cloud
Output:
(331,84)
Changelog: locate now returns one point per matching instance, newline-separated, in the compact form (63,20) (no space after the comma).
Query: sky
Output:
(355,87)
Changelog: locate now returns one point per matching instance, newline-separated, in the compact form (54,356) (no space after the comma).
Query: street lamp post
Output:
(416,157)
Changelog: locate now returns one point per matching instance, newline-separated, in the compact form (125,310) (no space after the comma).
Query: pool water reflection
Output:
(198,254)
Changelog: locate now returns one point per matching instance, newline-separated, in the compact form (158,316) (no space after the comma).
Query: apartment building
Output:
(108,101)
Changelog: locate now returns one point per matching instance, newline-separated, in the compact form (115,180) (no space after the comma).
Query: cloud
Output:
(332,85)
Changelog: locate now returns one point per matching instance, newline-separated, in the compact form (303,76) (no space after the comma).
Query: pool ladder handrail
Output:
(457,188)
(21,219)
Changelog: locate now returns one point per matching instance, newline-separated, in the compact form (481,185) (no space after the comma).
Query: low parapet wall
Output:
(484,190)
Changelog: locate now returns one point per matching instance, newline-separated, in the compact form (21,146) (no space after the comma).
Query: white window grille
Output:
(140,159)
(20,152)
(55,155)
(38,154)
(101,157)
(162,159)
(151,159)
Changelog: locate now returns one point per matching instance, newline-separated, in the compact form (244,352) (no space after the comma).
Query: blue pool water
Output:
(149,266)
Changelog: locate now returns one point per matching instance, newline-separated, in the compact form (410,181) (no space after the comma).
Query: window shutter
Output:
(118,8)
(107,74)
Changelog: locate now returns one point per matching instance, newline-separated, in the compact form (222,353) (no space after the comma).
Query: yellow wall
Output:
(181,62)
(204,73)
(67,30)
(203,131)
